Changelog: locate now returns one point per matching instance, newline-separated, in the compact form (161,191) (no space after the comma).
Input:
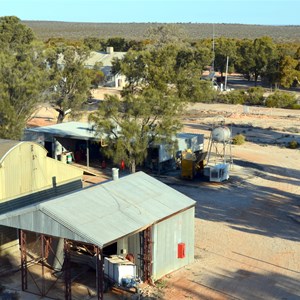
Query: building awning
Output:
(103,213)
(72,130)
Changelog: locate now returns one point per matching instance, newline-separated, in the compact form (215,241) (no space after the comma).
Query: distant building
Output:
(106,59)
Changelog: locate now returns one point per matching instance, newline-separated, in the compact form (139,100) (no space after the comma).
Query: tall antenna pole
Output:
(213,48)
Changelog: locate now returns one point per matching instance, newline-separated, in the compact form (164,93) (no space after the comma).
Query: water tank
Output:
(221,134)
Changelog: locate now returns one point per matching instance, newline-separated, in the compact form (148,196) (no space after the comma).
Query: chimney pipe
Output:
(115,173)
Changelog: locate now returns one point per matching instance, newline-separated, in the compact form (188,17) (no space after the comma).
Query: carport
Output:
(137,206)
(56,138)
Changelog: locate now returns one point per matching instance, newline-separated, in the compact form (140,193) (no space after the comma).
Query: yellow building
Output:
(28,176)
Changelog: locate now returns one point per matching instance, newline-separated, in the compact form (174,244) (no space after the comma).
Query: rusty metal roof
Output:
(103,213)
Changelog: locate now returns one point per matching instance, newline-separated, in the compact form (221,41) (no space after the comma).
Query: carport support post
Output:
(67,270)
(87,154)
(22,237)
(99,273)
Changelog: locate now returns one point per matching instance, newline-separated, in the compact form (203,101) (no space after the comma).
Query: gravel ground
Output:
(247,237)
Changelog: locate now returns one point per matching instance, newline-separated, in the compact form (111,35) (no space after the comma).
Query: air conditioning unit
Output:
(219,173)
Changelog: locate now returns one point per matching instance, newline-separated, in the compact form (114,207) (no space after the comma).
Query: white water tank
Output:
(221,134)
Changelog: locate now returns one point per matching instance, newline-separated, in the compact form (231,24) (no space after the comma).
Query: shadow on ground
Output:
(260,286)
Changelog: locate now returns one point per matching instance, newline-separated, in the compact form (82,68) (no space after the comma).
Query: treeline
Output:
(137,31)
(278,64)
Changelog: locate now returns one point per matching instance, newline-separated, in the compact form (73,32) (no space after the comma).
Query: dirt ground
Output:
(247,229)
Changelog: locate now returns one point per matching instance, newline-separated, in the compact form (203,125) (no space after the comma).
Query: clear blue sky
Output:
(264,12)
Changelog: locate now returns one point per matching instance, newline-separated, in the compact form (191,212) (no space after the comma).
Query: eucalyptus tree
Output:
(133,123)
(71,81)
(23,76)
(225,51)
(159,82)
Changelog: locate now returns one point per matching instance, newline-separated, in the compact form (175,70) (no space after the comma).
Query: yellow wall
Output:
(26,169)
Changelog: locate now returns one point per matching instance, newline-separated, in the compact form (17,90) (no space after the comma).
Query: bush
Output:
(293,144)
(281,100)
(239,139)
(203,92)
(234,97)
(295,106)
(255,96)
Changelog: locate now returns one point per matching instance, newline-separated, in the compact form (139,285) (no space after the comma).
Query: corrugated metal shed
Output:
(6,146)
(73,130)
(25,168)
(104,213)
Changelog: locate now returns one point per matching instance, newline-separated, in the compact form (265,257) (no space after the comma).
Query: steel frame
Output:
(45,246)
(146,254)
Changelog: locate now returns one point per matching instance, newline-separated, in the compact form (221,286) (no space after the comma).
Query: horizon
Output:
(133,22)
(244,12)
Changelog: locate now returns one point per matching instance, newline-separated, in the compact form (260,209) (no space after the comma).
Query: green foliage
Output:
(238,139)
(71,81)
(295,106)
(14,35)
(255,96)
(23,78)
(204,92)
(280,100)
(133,123)
(96,77)
(293,144)
(93,43)
(224,48)
(288,72)
(234,97)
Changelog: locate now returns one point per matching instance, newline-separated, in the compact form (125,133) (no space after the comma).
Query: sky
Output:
(262,12)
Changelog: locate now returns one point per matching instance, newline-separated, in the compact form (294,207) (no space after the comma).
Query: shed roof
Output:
(104,213)
(103,57)
(73,130)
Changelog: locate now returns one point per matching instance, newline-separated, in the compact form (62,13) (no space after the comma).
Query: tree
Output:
(23,78)
(133,123)
(224,48)
(160,81)
(264,54)
(258,58)
(71,81)
(288,72)
(245,62)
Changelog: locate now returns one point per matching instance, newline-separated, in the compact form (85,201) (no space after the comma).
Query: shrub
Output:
(238,139)
(203,92)
(295,106)
(234,97)
(280,100)
(255,96)
(293,144)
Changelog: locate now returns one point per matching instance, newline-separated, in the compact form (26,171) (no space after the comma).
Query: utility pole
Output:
(227,61)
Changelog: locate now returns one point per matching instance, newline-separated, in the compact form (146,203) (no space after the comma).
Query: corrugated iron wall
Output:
(8,235)
(26,169)
(166,237)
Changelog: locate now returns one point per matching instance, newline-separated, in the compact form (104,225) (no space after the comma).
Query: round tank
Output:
(221,134)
